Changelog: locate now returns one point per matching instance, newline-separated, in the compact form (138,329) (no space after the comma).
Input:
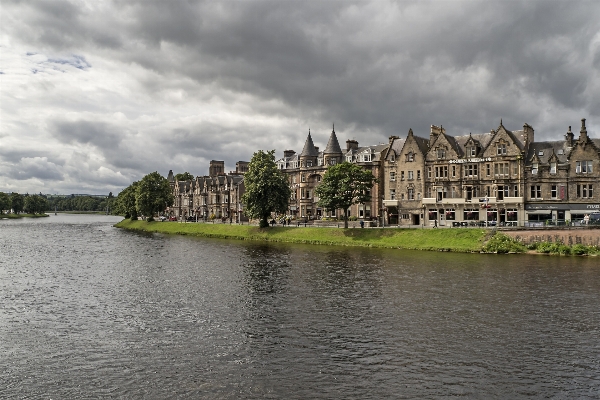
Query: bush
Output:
(500,243)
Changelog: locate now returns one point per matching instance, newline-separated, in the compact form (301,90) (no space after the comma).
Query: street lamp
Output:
(382,211)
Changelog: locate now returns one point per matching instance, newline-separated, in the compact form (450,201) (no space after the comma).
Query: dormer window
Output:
(410,157)
(561,152)
(471,151)
(367,157)
(534,168)
(553,168)
(441,152)
(349,158)
(309,163)
(392,157)
(541,153)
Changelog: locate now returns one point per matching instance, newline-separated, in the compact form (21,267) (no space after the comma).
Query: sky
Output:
(96,94)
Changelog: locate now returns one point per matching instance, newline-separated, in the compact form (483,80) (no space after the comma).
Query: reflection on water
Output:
(87,310)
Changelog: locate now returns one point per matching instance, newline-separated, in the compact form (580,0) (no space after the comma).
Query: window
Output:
(402,196)
(534,168)
(318,178)
(308,194)
(349,158)
(488,169)
(410,175)
(471,151)
(419,174)
(392,175)
(553,191)
(293,179)
(401,175)
(411,194)
(410,157)
(501,149)
(516,191)
(553,168)
(441,172)
(471,170)
(393,157)
(450,214)
(441,152)
(332,161)
(541,153)
(536,192)
(429,172)
(366,157)
(392,194)
(302,178)
(309,163)
(585,191)
(515,168)
(561,152)
(584,167)
(405,216)
(501,169)
(502,192)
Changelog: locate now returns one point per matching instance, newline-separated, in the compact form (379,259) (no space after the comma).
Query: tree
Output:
(153,194)
(343,185)
(267,189)
(4,202)
(125,202)
(186,176)
(35,204)
(17,202)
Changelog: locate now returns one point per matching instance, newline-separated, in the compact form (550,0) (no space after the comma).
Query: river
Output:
(88,310)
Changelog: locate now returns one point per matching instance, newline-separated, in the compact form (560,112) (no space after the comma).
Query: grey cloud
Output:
(103,135)
(34,167)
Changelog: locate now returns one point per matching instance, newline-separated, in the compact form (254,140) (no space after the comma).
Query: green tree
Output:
(125,202)
(4,202)
(343,185)
(267,189)
(17,202)
(35,204)
(153,194)
(186,176)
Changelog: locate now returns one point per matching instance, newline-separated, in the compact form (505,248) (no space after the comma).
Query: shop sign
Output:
(470,160)
(591,207)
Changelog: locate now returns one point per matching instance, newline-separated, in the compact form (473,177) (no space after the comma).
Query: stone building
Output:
(305,172)
(562,178)
(475,179)
(217,195)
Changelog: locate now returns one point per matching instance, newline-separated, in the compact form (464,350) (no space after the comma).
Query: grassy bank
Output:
(13,216)
(463,240)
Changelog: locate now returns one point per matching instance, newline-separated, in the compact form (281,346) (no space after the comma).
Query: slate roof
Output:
(333,146)
(309,148)
(544,151)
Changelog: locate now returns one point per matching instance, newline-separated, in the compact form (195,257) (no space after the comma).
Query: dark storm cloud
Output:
(100,134)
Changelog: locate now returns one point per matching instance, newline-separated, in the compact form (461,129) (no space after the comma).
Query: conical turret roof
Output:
(309,148)
(333,146)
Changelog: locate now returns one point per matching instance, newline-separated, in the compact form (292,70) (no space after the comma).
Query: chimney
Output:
(569,137)
(528,134)
(393,137)
(288,153)
(583,137)
(434,132)
(351,144)
(317,148)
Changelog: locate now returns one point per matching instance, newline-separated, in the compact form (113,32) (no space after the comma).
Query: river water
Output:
(89,311)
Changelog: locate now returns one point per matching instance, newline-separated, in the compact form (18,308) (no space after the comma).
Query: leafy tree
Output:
(35,204)
(125,202)
(186,176)
(153,194)
(4,202)
(267,189)
(343,185)
(17,202)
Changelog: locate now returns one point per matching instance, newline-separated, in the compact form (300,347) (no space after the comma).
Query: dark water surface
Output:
(89,311)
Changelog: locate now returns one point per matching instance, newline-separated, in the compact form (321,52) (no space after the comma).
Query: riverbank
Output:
(15,216)
(463,240)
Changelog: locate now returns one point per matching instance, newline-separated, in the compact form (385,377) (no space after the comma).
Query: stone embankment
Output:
(585,236)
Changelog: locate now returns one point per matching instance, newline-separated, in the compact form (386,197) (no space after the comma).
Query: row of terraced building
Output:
(498,177)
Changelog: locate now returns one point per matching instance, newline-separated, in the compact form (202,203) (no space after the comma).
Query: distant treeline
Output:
(39,203)
(80,203)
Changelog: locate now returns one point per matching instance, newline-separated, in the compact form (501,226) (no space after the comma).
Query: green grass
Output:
(14,216)
(463,240)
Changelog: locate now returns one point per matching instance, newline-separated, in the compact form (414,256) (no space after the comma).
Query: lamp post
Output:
(382,212)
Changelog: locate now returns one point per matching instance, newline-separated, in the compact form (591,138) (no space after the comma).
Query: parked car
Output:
(162,218)
(594,218)
(172,218)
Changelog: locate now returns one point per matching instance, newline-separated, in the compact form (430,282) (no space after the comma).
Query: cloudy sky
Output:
(96,94)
